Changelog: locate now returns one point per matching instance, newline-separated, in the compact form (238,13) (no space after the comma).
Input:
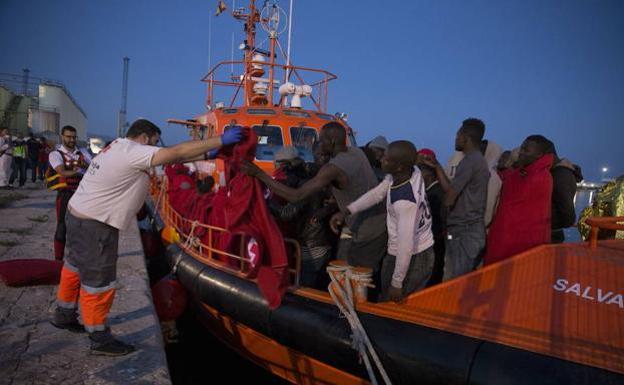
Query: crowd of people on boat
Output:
(388,207)
(396,210)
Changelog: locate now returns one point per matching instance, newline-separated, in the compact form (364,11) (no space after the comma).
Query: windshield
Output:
(270,140)
(303,138)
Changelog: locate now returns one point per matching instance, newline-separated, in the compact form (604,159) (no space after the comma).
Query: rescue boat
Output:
(551,315)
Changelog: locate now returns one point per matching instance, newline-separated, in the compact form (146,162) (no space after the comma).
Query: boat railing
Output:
(318,79)
(198,239)
(604,223)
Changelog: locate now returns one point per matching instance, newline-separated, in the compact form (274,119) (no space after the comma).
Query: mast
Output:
(121,122)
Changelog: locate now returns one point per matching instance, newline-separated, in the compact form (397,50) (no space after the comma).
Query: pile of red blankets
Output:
(239,207)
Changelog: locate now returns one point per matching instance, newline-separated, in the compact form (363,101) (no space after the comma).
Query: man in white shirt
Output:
(6,157)
(408,265)
(70,164)
(107,200)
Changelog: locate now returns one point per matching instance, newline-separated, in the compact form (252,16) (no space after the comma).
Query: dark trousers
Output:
(439,249)
(33,165)
(62,199)
(557,236)
(19,169)
(464,248)
(417,276)
(42,169)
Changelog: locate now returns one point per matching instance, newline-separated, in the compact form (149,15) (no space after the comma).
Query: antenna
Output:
(209,39)
(289,35)
(232,57)
(122,124)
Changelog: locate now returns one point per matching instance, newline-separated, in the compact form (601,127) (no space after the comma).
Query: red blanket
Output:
(240,207)
(29,272)
(522,219)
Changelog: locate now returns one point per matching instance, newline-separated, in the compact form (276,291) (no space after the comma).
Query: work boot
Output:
(67,319)
(104,344)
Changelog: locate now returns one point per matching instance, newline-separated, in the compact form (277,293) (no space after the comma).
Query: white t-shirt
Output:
(115,184)
(408,219)
(56,159)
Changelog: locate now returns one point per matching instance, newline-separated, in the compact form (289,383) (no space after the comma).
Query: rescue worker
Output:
(107,200)
(70,163)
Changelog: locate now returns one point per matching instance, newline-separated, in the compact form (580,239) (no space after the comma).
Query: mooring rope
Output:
(342,294)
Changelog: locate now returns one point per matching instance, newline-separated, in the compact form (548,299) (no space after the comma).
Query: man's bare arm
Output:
(185,151)
(326,175)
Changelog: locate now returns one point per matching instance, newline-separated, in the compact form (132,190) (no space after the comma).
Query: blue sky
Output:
(406,69)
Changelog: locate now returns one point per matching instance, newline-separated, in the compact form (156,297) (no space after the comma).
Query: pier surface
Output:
(32,351)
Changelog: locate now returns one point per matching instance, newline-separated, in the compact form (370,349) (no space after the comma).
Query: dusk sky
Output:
(406,69)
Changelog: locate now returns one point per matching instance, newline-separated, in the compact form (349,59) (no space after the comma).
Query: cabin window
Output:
(301,114)
(229,111)
(303,138)
(326,116)
(260,111)
(270,140)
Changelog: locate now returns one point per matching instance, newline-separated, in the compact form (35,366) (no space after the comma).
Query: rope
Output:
(161,193)
(191,240)
(342,294)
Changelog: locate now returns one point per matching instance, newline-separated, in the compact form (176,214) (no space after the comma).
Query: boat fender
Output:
(170,298)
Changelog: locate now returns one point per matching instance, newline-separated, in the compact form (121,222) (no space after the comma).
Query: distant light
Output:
(605,169)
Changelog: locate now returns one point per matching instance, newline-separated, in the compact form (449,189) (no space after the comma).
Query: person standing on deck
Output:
(107,200)
(465,199)
(363,241)
(435,198)
(522,219)
(408,265)
(70,164)
(492,153)
(565,176)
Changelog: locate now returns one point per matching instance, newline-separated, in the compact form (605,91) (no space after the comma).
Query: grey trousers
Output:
(418,273)
(93,247)
(464,248)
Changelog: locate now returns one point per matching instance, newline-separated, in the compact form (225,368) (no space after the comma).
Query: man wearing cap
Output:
(374,151)
(435,198)
(304,219)
(107,200)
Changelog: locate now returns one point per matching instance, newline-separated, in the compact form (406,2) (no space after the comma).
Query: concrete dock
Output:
(32,351)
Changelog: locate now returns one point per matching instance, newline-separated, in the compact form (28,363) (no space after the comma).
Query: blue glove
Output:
(212,153)
(231,136)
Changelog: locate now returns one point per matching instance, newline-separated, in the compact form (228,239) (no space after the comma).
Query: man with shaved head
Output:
(465,199)
(349,175)
(408,265)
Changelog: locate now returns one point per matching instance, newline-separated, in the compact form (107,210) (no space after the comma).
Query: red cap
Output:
(428,152)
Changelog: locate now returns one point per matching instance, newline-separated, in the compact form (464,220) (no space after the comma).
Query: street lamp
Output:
(604,173)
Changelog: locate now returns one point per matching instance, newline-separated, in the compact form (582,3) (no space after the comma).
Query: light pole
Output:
(604,173)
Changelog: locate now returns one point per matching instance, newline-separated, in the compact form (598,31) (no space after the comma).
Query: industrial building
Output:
(39,105)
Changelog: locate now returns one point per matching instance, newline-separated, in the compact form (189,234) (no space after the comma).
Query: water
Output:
(200,358)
